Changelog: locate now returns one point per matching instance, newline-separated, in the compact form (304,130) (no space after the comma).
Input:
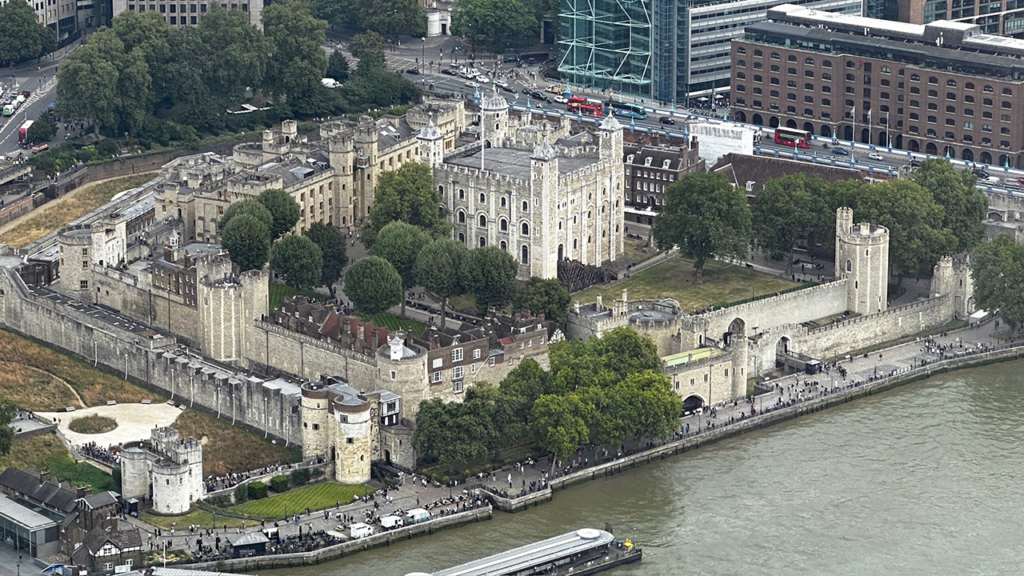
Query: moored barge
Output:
(584,551)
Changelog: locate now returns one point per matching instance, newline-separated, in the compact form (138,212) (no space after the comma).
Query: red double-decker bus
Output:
(793,137)
(585,106)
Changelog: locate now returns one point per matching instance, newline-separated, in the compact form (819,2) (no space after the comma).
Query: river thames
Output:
(923,479)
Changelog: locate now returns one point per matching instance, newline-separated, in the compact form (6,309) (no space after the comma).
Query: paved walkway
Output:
(134,422)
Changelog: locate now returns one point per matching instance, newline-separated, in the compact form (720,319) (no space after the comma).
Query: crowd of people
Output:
(105,455)
(232,479)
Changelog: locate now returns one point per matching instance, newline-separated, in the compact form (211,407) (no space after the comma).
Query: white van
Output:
(360,530)
(391,522)
(417,515)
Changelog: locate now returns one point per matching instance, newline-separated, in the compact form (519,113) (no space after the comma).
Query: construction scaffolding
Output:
(606,44)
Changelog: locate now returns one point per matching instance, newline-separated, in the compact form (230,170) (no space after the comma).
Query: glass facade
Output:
(665,50)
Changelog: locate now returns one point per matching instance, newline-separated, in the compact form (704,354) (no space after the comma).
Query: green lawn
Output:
(279,292)
(314,497)
(392,322)
(673,278)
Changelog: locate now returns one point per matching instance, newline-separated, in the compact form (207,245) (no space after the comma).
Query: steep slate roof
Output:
(741,168)
(122,539)
(49,494)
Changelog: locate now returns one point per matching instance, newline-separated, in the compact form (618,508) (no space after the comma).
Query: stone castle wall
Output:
(145,356)
(794,307)
(276,349)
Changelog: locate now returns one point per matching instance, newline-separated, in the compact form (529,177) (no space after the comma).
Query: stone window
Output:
(349,440)
(526,206)
(316,426)
(476,354)
(83,285)
(457,373)
(392,374)
(523,258)
(524,229)
(457,386)
(482,220)
(457,355)
(435,377)
(849,266)
(503,225)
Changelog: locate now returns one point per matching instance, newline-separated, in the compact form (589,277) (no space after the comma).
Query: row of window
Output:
(524,228)
(483,198)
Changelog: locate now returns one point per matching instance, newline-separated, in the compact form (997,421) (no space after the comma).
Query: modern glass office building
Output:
(665,50)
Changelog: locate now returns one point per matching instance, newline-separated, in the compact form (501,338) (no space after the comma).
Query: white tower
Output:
(494,119)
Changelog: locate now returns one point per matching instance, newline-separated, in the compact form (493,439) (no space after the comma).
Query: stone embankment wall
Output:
(256,563)
(804,305)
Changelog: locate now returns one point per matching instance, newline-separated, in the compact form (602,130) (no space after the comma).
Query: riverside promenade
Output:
(529,483)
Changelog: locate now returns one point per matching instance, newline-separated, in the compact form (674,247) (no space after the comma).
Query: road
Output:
(40,79)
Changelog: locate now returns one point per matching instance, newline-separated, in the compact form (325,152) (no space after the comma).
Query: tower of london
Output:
(167,469)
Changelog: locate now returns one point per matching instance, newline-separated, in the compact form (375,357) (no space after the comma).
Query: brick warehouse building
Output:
(941,88)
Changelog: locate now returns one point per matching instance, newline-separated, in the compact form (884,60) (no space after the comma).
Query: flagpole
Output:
(853,139)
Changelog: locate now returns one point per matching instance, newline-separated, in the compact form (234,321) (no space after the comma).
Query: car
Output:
(991,180)
(508,89)
(875,156)
(914,162)
(472,84)
(501,83)
(979,172)
(527,91)
(1020,180)
(667,120)
(449,72)
(413,71)
(483,79)
(840,151)
(560,99)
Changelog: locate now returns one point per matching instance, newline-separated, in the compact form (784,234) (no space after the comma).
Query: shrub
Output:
(241,493)
(300,476)
(279,483)
(317,472)
(257,490)
(223,501)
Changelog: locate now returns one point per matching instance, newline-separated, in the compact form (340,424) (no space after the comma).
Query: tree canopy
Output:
(42,130)
(332,250)
(373,285)
(622,394)
(297,60)
(22,36)
(7,412)
(997,268)
(407,194)
(787,209)
(284,210)
(964,205)
(400,243)
(499,23)
(706,217)
(251,207)
(440,268)
(247,241)
(298,260)
(544,296)
(491,276)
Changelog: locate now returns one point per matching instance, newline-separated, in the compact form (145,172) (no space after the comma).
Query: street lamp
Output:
(423,51)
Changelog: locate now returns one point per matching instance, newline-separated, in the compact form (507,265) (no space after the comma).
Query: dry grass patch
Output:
(94,424)
(62,211)
(230,449)
(34,389)
(33,451)
(94,386)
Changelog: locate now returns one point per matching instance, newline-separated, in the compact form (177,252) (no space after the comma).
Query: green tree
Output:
(916,236)
(7,411)
(400,243)
(373,285)
(335,12)
(547,297)
(282,207)
(298,260)
(379,87)
(393,17)
(500,22)
(998,271)
(337,66)
(491,276)
(440,268)
(525,383)
(42,130)
(647,402)
(251,207)
(238,52)
(148,35)
(964,206)
(559,423)
(298,61)
(706,217)
(787,209)
(22,36)
(368,48)
(332,249)
(247,241)
(406,194)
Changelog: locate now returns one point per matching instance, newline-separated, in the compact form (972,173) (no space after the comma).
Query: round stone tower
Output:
(352,439)
(494,119)
(134,472)
(315,437)
(862,257)
(75,261)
